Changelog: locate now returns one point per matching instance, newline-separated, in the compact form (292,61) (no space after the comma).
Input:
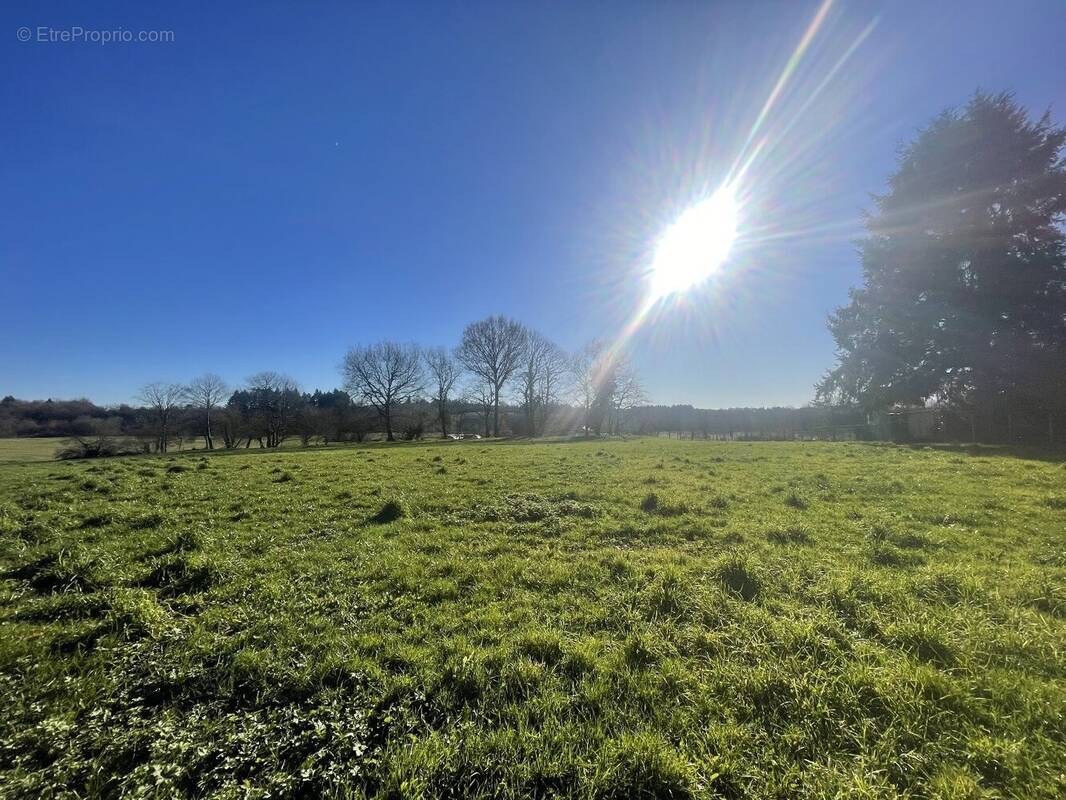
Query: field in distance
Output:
(43,448)
(650,618)
(26,449)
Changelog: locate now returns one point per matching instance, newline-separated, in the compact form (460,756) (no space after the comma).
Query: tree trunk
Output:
(388,426)
(496,413)
(210,441)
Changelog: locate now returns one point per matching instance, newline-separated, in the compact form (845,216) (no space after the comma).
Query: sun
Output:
(696,244)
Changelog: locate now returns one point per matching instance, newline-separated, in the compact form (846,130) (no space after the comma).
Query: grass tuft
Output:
(739,576)
(643,765)
(391,511)
(656,504)
(790,535)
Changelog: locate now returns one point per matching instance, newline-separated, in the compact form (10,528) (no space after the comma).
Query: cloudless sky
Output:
(284,180)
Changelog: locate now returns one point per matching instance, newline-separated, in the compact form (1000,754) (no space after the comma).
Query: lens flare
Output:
(696,244)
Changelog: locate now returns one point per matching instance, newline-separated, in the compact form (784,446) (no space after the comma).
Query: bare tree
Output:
(444,371)
(605,385)
(383,375)
(530,375)
(555,368)
(540,376)
(481,395)
(587,369)
(628,391)
(205,394)
(492,349)
(161,400)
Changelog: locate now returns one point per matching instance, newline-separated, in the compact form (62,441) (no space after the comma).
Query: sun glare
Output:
(695,245)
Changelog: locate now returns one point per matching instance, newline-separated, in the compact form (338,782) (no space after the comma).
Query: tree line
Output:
(332,416)
(503,378)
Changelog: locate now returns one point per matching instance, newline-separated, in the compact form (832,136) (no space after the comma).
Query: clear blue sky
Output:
(281,182)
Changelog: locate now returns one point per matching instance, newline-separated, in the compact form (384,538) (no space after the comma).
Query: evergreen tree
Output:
(964,271)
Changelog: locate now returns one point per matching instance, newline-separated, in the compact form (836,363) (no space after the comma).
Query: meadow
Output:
(647,618)
(29,449)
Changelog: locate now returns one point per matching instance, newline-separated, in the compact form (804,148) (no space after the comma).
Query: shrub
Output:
(99,447)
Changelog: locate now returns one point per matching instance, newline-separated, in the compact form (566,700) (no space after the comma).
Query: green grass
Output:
(29,449)
(649,618)
(43,448)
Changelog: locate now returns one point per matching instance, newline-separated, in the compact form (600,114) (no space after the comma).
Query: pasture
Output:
(648,618)
(29,449)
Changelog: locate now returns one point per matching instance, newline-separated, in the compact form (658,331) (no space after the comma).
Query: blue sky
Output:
(284,181)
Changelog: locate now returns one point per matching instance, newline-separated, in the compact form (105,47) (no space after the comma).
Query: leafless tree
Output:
(554,371)
(587,370)
(383,375)
(481,394)
(162,401)
(540,376)
(444,370)
(530,375)
(205,394)
(628,391)
(492,349)
(605,385)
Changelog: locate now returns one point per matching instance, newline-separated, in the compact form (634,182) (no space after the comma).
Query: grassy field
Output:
(623,619)
(29,449)
(43,448)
